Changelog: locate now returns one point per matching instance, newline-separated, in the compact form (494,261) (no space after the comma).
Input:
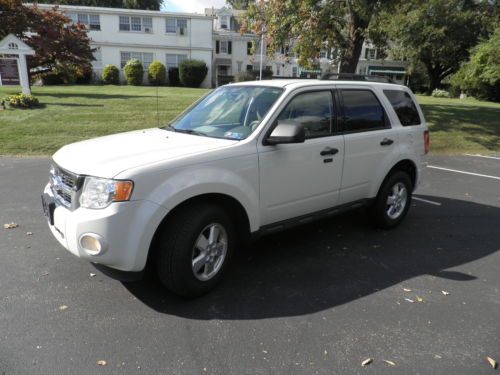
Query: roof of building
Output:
(122,11)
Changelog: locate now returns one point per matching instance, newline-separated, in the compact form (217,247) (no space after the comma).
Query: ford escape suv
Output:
(246,159)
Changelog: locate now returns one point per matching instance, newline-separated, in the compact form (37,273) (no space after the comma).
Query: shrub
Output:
(111,75)
(248,75)
(22,101)
(157,73)
(437,93)
(134,72)
(173,77)
(84,75)
(192,72)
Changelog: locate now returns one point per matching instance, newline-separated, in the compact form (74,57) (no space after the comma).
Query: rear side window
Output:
(404,107)
(362,111)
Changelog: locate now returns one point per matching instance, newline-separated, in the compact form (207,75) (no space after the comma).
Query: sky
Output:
(191,6)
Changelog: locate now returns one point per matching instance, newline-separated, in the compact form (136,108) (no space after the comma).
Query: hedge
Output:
(192,72)
(134,72)
(111,75)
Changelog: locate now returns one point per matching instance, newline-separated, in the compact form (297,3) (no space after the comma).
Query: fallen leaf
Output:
(366,362)
(10,225)
(492,362)
(406,290)
(29,233)
(445,292)
(92,275)
(437,356)
(63,307)
(102,362)
(390,363)
(409,300)
(419,299)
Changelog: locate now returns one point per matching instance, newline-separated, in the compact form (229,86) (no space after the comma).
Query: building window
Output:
(91,21)
(176,25)
(370,53)
(13,45)
(223,46)
(224,22)
(146,58)
(136,24)
(295,71)
(94,22)
(249,68)
(249,48)
(173,60)
(277,69)
(97,63)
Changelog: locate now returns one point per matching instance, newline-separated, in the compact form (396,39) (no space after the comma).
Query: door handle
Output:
(386,142)
(329,151)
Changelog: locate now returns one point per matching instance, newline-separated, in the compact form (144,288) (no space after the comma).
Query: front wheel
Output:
(195,249)
(393,201)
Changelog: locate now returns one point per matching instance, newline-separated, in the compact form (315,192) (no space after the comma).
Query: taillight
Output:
(427,141)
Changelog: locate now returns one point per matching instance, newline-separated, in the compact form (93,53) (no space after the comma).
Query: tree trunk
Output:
(354,43)
(434,74)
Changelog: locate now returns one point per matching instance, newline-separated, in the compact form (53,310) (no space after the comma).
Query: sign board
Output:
(9,72)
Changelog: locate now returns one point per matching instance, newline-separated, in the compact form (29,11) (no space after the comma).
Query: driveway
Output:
(319,299)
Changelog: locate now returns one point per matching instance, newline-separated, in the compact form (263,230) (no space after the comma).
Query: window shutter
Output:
(217,46)
(229,47)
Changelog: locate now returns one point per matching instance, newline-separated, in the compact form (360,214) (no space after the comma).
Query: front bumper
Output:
(127,227)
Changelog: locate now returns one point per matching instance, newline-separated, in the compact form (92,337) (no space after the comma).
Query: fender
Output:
(184,183)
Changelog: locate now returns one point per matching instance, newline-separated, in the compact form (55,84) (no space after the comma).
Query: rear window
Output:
(404,107)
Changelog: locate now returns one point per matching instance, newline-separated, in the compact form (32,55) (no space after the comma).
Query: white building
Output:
(122,34)
(232,51)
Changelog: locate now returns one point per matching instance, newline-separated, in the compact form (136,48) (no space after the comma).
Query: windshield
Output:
(230,112)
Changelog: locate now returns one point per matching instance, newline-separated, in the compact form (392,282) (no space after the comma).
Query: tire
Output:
(393,200)
(187,237)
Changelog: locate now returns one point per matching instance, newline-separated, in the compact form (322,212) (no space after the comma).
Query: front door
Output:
(297,179)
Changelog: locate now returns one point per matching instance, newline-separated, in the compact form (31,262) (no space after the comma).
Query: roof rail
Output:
(355,77)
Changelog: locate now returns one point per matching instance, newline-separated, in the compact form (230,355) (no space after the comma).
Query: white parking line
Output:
(463,172)
(426,201)
(482,156)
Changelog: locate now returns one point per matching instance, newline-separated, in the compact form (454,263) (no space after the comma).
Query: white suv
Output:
(246,159)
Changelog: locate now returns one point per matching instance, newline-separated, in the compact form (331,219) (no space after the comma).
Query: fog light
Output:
(93,244)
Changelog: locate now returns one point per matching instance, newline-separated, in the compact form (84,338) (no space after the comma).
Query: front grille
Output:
(65,186)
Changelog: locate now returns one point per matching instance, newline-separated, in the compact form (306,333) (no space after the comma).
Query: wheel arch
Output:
(405,165)
(229,203)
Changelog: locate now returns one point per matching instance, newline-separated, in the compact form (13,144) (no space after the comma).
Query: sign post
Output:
(13,66)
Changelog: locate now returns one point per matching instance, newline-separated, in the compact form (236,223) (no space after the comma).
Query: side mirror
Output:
(286,133)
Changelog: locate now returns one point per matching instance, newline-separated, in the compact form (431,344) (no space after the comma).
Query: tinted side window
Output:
(362,111)
(312,110)
(404,106)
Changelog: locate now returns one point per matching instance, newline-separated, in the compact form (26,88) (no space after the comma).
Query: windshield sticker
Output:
(233,135)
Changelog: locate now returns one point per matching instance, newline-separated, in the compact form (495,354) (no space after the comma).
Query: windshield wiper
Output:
(185,131)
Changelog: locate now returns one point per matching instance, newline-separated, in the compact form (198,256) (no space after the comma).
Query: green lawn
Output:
(73,113)
(459,126)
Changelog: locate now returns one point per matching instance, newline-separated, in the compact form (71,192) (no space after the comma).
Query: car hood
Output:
(108,156)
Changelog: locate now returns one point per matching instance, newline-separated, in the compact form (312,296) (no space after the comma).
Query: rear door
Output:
(370,142)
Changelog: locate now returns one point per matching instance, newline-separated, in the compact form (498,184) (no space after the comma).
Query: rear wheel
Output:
(393,200)
(195,249)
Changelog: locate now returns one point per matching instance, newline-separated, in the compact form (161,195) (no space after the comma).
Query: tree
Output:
(481,74)
(438,33)
(129,4)
(56,41)
(308,26)
(239,4)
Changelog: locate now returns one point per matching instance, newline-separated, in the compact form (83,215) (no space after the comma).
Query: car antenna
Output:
(157,108)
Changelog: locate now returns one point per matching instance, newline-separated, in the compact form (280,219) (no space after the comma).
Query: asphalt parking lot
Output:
(319,299)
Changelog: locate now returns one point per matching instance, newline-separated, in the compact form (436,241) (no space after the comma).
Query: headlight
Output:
(100,192)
